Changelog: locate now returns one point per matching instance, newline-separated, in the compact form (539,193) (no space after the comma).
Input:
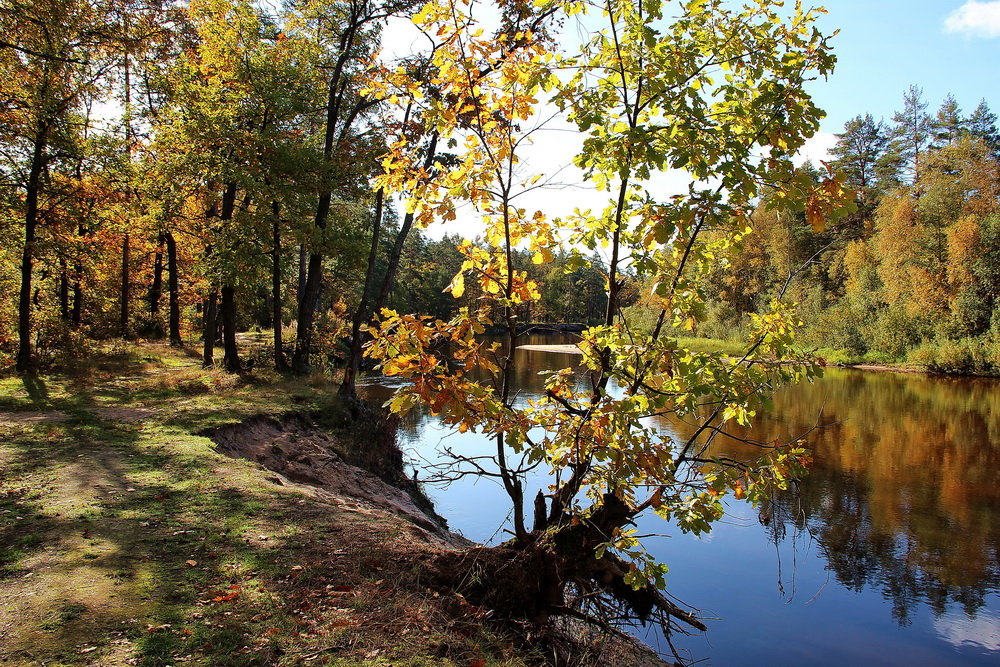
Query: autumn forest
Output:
(227,225)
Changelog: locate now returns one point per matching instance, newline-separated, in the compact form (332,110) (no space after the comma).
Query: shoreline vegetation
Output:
(153,512)
(713,345)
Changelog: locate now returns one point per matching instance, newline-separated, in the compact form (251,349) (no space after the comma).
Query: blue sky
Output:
(884,46)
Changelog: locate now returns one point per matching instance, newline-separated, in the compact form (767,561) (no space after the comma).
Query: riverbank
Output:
(128,538)
(155,513)
(827,357)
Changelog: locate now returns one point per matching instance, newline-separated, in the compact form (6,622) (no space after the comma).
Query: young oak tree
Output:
(702,86)
(414,159)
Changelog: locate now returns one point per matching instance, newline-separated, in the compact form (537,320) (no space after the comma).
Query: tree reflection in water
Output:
(904,495)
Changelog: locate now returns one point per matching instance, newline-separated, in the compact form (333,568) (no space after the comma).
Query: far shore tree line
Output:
(913,274)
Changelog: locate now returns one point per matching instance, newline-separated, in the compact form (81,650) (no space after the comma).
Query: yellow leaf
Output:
(457,286)
(815,214)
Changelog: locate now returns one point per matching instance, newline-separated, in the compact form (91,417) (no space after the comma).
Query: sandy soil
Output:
(299,452)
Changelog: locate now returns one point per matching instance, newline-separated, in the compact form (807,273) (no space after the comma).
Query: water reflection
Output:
(904,495)
(982,631)
(901,513)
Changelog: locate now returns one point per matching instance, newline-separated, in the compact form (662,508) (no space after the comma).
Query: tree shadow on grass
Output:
(106,538)
(134,542)
(36,389)
(145,549)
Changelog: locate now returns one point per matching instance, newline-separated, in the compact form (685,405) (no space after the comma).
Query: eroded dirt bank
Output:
(300,451)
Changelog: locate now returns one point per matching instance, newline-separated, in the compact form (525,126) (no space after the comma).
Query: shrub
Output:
(979,356)
(895,333)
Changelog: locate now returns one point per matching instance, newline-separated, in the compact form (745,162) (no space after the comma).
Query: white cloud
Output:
(816,149)
(975,19)
(982,631)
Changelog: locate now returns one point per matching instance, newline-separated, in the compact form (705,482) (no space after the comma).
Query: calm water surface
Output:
(888,553)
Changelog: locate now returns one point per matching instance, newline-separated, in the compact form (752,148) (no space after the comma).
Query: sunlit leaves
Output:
(719,93)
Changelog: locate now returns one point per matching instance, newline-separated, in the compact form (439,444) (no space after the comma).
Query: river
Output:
(888,553)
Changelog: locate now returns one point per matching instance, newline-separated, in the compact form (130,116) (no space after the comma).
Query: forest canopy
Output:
(171,168)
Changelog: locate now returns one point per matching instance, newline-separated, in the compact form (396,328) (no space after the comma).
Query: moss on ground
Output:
(125,539)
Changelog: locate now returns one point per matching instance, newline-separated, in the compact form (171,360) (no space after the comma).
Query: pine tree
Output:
(948,125)
(859,152)
(983,126)
(911,136)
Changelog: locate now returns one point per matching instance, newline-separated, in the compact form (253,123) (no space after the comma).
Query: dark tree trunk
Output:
(303,262)
(77,286)
(404,231)
(309,298)
(174,322)
(124,290)
(307,314)
(214,315)
(208,354)
(156,288)
(77,311)
(24,355)
(218,326)
(231,360)
(227,308)
(362,314)
(279,354)
(63,290)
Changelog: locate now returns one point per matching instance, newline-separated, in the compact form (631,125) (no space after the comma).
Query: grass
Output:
(125,539)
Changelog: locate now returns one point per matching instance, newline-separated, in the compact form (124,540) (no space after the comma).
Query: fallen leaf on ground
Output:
(229,596)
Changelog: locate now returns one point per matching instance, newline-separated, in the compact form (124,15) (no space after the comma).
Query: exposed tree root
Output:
(555,574)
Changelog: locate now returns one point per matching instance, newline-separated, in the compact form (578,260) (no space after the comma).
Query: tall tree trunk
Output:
(404,231)
(125,285)
(24,355)
(309,298)
(307,314)
(77,311)
(156,288)
(174,321)
(210,313)
(303,262)
(77,285)
(227,311)
(362,314)
(277,319)
(231,360)
(124,291)
(63,290)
